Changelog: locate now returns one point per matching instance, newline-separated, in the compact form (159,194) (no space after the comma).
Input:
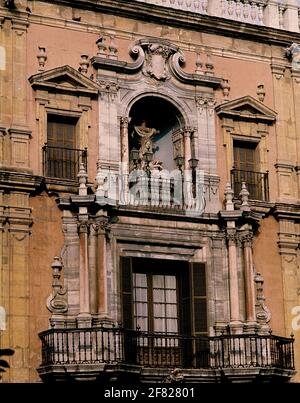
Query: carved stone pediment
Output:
(159,59)
(64,79)
(246,108)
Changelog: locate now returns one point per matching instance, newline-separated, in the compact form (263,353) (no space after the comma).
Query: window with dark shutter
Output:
(61,157)
(246,168)
(126,285)
(199,298)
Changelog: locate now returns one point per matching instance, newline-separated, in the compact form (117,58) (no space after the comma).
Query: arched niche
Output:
(159,120)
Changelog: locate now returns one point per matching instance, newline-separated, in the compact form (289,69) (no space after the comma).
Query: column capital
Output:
(246,239)
(83,227)
(231,237)
(20,26)
(188,130)
(124,121)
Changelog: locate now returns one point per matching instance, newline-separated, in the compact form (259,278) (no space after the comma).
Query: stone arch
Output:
(166,123)
(131,98)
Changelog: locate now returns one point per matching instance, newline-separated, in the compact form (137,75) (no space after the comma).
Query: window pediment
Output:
(246,108)
(64,79)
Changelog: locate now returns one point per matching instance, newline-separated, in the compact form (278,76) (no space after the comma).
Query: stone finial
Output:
(199,64)
(263,314)
(226,89)
(261,92)
(244,195)
(209,66)
(42,58)
(229,197)
(84,64)
(82,179)
(113,50)
(56,302)
(101,46)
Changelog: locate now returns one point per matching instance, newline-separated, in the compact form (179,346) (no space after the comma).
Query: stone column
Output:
(233,279)
(187,146)
(84,317)
(92,257)
(231,216)
(124,171)
(101,271)
(249,282)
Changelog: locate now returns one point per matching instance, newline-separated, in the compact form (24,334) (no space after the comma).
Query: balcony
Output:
(98,353)
(273,14)
(63,163)
(257,184)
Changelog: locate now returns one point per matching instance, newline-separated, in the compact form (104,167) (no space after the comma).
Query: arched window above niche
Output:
(156,134)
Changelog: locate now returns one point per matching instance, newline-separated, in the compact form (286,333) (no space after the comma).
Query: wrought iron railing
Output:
(257,183)
(62,162)
(113,345)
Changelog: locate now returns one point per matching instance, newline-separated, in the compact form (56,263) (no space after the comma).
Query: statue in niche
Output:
(146,144)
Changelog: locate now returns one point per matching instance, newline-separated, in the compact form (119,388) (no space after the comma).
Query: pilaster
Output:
(16,214)
(19,76)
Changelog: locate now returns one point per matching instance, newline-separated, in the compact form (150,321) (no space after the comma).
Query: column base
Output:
(251,327)
(57,321)
(102,320)
(84,320)
(220,328)
(236,327)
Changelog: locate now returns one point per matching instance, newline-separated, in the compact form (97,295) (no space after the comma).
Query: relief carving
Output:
(156,57)
(56,302)
(263,314)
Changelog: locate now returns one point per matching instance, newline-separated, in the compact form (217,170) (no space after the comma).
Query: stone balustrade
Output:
(281,14)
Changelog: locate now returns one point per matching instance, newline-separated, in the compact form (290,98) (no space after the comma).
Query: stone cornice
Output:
(19,181)
(184,19)
(287,211)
